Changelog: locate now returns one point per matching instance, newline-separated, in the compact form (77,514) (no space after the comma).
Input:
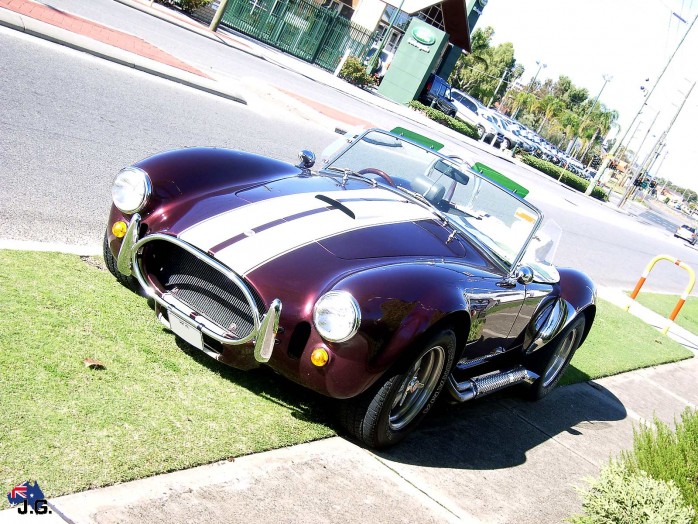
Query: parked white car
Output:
(687,233)
(471,111)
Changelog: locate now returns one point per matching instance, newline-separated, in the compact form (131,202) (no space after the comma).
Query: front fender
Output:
(574,295)
(183,179)
(399,304)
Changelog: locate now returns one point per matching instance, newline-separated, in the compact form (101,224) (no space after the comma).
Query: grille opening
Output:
(200,286)
(299,338)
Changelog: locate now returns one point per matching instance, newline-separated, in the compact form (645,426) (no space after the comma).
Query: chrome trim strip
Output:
(556,320)
(168,301)
(123,261)
(264,345)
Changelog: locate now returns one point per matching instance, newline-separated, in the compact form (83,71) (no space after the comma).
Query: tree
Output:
(480,72)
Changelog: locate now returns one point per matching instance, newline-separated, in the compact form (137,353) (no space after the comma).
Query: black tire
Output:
(480,131)
(507,143)
(129,282)
(554,358)
(388,411)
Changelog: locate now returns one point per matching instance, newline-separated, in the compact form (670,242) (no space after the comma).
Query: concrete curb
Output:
(85,44)
(55,247)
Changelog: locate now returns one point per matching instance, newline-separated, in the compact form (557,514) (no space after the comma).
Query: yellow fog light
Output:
(119,229)
(319,357)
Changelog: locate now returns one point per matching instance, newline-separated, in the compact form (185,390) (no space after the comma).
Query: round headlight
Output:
(336,316)
(131,190)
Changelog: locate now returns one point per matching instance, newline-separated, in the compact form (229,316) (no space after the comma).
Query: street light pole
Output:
(530,84)
(540,66)
(606,161)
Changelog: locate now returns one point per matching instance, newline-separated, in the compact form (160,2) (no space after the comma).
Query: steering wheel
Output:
(372,170)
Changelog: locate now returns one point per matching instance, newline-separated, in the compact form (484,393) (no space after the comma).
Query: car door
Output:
(495,306)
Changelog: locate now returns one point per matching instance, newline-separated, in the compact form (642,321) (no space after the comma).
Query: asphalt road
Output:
(69,122)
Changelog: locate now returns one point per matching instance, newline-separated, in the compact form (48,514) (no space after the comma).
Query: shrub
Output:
(669,455)
(442,118)
(354,72)
(620,496)
(564,176)
(190,5)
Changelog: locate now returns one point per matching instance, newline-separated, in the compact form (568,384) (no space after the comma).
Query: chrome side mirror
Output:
(524,275)
(307,159)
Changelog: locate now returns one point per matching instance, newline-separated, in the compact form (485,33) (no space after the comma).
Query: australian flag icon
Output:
(25,491)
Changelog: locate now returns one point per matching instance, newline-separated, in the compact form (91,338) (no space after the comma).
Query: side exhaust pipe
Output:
(486,384)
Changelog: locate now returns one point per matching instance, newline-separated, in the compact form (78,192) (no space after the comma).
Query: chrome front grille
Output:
(202,284)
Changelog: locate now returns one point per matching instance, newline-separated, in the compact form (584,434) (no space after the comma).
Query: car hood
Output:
(354,221)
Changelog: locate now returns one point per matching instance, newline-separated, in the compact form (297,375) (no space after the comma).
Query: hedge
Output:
(564,176)
(442,118)
(354,72)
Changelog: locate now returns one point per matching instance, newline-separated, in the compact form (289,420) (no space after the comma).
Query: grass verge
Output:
(158,406)
(620,342)
(664,305)
(155,407)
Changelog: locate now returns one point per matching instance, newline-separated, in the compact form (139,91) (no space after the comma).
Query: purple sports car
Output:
(382,278)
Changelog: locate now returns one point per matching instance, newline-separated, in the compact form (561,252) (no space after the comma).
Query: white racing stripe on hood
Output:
(253,251)
(216,230)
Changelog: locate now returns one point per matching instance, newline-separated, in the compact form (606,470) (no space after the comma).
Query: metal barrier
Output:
(684,295)
(299,27)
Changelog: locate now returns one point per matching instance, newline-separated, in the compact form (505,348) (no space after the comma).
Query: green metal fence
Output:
(300,28)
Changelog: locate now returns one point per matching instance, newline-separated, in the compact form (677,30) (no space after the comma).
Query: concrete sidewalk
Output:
(497,460)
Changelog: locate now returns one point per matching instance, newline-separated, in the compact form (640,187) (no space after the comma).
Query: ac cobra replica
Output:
(382,278)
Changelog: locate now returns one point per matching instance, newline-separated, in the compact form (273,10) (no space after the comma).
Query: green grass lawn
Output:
(664,305)
(620,342)
(157,405)
(154,408)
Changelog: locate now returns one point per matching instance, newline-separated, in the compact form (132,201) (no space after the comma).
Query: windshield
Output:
(480,209)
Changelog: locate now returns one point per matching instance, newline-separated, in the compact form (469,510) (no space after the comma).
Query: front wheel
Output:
(387,412)
(554,358)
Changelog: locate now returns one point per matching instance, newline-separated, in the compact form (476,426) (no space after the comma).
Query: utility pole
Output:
(659,142)
(219,14)
(501,81)
(634,172)
(606,80)
(604,165)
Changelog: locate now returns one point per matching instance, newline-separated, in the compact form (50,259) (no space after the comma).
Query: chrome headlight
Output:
(131,190)
(336,316)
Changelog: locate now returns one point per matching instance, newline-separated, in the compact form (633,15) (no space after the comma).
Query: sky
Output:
(630,40)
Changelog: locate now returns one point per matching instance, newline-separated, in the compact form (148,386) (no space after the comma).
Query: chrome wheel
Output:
(559,358)
(416,388)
